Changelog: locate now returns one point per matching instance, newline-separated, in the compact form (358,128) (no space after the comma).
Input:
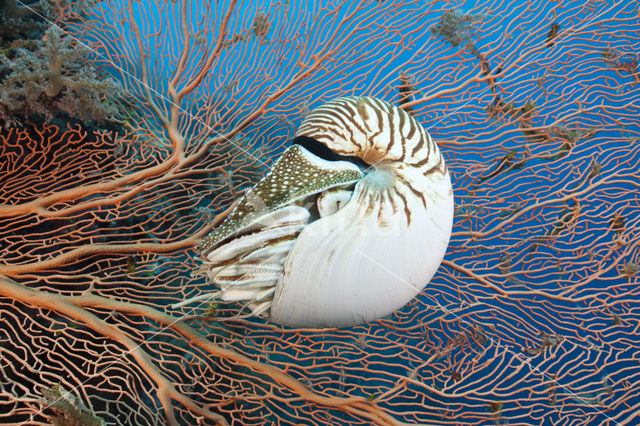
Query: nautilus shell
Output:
(348,226)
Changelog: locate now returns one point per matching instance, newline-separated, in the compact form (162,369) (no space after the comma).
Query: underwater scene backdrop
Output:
(130,127)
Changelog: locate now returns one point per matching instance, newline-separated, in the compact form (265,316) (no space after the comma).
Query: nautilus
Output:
(349,225)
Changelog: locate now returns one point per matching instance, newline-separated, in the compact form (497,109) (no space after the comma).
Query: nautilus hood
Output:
(294,176)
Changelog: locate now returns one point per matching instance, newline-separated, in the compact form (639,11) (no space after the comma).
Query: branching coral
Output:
(54,77)
(19,21)
(10,9)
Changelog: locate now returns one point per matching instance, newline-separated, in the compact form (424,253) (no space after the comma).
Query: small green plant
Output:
(213,309)
(68,409)
(455,26)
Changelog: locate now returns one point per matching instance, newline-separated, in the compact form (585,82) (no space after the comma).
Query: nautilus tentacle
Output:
(321,243)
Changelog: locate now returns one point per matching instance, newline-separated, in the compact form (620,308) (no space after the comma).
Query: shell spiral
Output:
(330,245)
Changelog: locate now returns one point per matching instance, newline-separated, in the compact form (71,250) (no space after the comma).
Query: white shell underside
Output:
(352,267)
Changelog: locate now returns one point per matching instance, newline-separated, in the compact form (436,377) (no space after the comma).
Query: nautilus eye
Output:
(349,225)
(330,201)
